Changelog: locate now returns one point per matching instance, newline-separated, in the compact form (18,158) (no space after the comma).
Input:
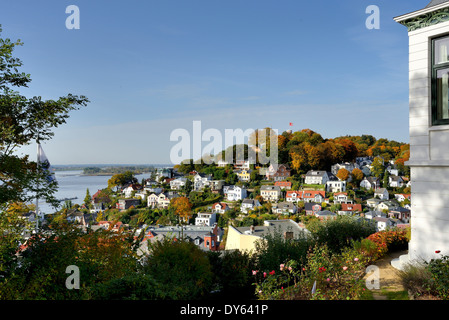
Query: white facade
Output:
(335,186)
(270,193)
(205,219)
(248,205)
(178,183)
(382,194)
(316,177)
(200,181)
(429,151)
(234,193)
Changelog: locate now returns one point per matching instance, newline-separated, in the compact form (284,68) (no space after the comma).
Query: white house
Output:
(335,186)
(128,191)
(347,165)
(428,39)
(402,197)
(395,181)
(178,183)
(201,180)
(220,207)
(372,214)
(392,171)
(370,183)
(383,223)
(205,219)
(382,194)
(270,193)
(293,196)
(284,208)
(316,177)
(249,204)
(313,196)
(341,197)
(234,193)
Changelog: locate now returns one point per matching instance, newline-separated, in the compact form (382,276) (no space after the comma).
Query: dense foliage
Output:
(22,121)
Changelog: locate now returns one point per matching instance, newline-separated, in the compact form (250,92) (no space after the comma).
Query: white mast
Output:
(37,195)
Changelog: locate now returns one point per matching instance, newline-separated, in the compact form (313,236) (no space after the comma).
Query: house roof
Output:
(325,213)
(351,207)
(380,190)
(249,201)
(284,205)
(221,204)
(291,192)
(309,205)
(315,173)
(268,188)
(272,226)
(313,193)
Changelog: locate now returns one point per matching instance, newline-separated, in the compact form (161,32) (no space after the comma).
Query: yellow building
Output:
(244,175)
(245,238)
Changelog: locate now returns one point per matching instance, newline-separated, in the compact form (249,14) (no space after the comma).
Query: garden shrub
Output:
(275,249)
(389,240)
(180,267)
(134,286)
(334,276)
(439,271)
(232,276)
(339,233)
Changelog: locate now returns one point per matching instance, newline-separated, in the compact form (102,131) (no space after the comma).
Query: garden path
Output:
(389,278)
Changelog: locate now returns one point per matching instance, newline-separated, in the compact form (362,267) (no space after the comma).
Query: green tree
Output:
(22,121)
(357,175)
(120,179)
(386,179)
(182,268)
(378,167)
(87,199)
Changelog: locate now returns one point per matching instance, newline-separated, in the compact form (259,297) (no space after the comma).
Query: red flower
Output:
(438,251)
(272,272)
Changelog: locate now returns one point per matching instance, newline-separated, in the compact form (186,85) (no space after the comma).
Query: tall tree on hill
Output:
(343,174)
(22,122)
(182,208)
(87,199)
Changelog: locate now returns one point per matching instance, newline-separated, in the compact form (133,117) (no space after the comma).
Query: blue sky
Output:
(150,67)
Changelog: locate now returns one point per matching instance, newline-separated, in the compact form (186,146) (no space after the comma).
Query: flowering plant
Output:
(337,276)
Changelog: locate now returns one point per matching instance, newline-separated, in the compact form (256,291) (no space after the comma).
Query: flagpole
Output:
(37,195)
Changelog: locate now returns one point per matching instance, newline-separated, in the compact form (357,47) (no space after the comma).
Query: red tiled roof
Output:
(351,207)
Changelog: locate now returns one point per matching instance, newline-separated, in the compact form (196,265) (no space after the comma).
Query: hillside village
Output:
(231,205)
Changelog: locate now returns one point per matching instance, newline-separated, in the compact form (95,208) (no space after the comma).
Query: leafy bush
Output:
(331,276)
(183,269)
(134,286)
(232,275)
(274,250)
(389,240)
(439,271)
(339,233)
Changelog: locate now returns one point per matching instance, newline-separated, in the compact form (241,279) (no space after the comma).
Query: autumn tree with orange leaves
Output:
(343,174)
(182,208)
